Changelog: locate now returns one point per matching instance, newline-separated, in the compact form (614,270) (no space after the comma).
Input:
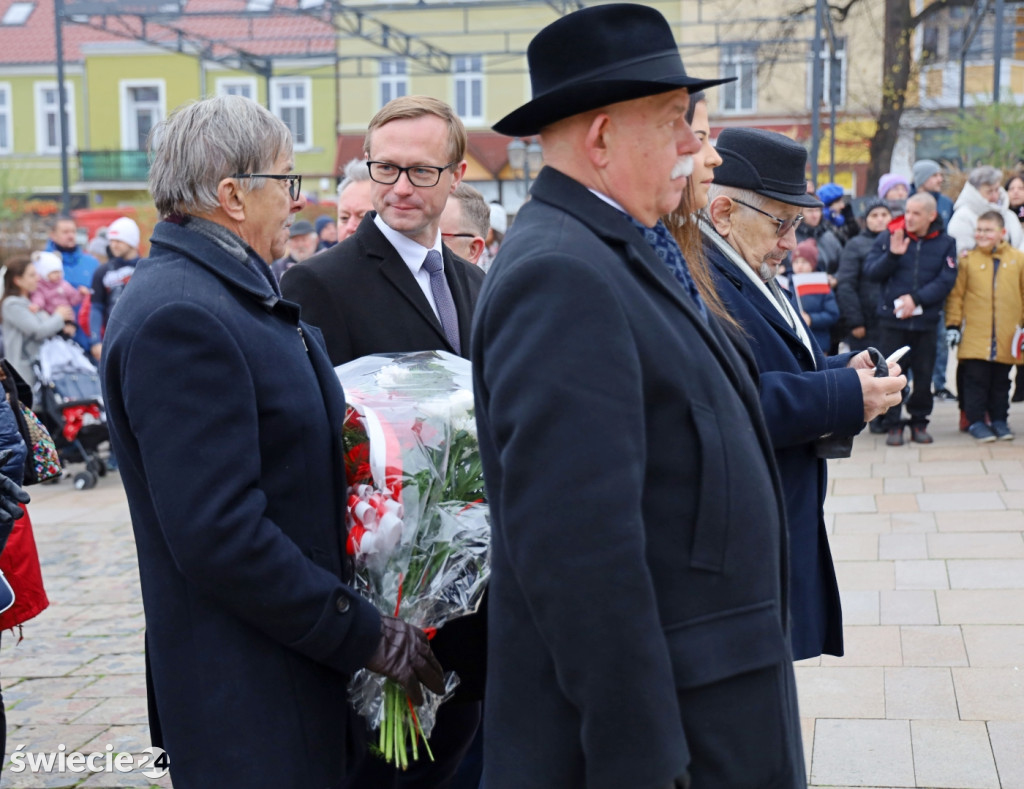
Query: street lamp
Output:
(526,159)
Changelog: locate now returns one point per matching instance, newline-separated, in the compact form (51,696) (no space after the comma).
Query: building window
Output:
(142,108)
(259,5)
(6,127)
(237,86)
(394,79)
(291,101)
(469,89)
(738,97)
(48,116)
(17,14)
(833,82)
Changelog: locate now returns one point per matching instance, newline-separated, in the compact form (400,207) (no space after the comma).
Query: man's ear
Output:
(231,198)
(720,213)
(458,171)
(596,141)
(476,248)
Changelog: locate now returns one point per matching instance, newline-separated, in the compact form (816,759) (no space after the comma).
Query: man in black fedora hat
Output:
(638,617)
(754,208)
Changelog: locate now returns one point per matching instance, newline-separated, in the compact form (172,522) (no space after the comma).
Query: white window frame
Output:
(129,120)
(469,72)
(224,84)
(394,75)
(277,105)
(42,110)
(826,75)
(6,120)
(17,14)
(734,58)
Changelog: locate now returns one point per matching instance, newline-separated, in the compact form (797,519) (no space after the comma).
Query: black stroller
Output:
(70,405)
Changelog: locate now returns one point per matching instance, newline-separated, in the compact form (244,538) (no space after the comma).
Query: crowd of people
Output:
(648,370)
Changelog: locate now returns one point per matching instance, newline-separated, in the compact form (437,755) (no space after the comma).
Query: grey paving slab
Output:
(986,573)
(942,502)
(980,606)
(989,694)
(920,694)
(1007,740)
(908,607)
(995,645)
(863,753)
(976,545)
(941,645)
(953,754)
(902,546)
(920,574)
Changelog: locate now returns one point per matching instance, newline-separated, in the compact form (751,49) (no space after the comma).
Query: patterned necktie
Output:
(443,299)
(668,251)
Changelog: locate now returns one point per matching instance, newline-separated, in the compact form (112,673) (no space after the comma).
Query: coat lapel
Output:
(394,270)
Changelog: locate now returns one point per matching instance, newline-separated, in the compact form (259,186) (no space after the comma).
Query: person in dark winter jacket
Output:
(857,295)
(915,261)
(829,245)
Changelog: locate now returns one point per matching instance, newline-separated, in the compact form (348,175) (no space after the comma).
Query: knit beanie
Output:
(888,181)
(829,193)
(46,263)
(322,222)
(871,205)
(125,230)
(808,250)
(925,169)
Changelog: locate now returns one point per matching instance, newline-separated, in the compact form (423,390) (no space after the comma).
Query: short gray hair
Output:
(475,211)
(986,175)
(206,141)
(354,171)
(734,193)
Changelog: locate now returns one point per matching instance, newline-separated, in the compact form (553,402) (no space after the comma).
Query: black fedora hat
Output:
(764,162)
(598,56)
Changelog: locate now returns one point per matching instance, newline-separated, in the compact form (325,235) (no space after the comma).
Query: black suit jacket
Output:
(362,296)
(365,300)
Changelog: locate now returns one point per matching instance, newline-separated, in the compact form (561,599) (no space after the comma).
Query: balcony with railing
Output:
(127,169)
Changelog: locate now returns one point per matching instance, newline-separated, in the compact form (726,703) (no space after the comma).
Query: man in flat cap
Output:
(638,631)
(754,208)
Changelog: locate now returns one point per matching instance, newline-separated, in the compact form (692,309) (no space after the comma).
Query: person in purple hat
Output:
(638,631)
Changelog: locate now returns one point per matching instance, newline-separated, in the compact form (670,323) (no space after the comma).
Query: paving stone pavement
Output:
(929,549)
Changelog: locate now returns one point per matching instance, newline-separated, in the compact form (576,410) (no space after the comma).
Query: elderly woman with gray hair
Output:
(982,192)
(226,417)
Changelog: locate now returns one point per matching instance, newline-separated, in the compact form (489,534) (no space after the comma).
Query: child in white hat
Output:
(53,290)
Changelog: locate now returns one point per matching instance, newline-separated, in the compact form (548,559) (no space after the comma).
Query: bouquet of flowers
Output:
(418,527)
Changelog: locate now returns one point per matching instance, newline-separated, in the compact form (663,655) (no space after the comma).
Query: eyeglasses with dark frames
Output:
(294,181)
(458,235)
(423,175)
(785,225)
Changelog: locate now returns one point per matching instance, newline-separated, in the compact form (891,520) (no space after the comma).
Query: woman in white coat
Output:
(982,192)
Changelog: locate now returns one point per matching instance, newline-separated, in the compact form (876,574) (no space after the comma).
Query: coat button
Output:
(342,605)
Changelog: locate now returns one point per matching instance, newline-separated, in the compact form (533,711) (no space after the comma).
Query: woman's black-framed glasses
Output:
(294,181)
(424,175)
(785,225)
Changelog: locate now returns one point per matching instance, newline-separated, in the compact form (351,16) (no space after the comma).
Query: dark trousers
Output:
(986,390)
(921,359)
(453,733)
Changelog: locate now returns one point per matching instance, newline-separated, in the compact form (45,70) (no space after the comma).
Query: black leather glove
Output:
(10,495)
(953,336)
(404,655)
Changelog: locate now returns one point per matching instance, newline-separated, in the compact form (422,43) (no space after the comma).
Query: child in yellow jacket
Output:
(983,312)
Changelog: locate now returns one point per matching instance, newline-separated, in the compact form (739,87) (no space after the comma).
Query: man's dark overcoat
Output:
(804,397)
(226,416)
(639,546)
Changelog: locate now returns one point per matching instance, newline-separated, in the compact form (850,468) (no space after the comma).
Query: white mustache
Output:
(683,168)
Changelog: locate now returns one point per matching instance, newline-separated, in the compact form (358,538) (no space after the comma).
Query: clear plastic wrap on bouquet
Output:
(418,527)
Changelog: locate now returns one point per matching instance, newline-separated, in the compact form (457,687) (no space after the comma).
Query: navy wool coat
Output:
(804,397)
(624,452)
(226,416)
